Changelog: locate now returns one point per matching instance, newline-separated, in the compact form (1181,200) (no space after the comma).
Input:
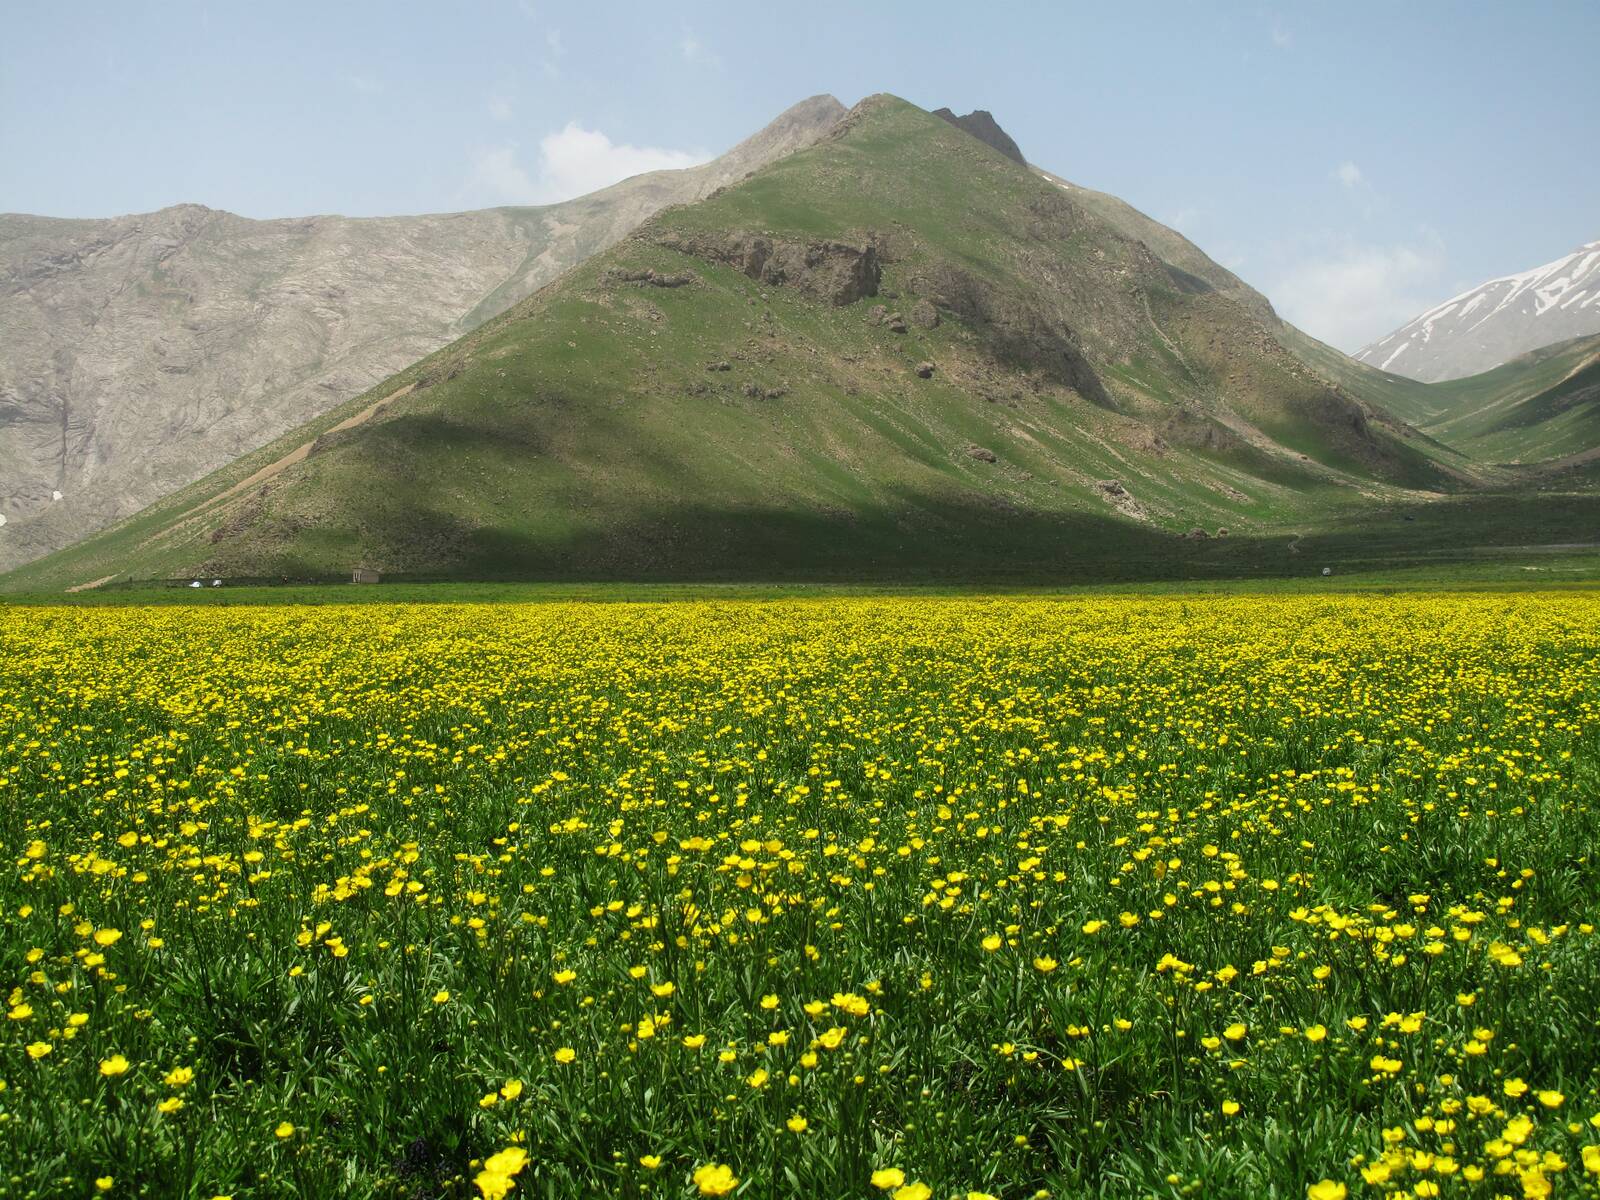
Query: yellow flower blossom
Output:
(496,1179)
(715,1179)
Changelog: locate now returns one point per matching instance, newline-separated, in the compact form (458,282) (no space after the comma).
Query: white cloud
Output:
(1184,220)
(550,64)
(1281,37)
(500,108)
(579,160)
(367,85)
(695,51)
(572,162)
(497,179)
(1358,188)
(1352,294)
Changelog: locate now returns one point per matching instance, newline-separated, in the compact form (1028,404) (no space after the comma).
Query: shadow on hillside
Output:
(1466,526)
(951,541)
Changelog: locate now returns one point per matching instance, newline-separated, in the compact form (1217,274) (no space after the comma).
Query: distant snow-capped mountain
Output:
(1497,321)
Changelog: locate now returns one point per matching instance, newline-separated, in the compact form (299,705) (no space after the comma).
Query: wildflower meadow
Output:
(904,897)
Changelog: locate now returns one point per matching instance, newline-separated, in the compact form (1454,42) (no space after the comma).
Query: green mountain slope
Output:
(895,354)
(1460,416)
(1543,405)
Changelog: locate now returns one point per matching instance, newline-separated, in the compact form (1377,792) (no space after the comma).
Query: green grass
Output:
(1475,569)
(1161,896)
(1536,539)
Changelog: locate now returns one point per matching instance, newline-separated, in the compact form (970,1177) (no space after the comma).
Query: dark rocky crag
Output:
(980,123)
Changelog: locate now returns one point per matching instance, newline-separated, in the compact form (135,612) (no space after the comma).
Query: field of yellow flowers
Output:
(908,898)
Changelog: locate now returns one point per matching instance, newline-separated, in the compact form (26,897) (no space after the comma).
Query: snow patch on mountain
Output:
(1498,320)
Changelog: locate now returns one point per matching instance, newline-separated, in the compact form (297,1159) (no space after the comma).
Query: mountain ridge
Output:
(145,350)
(815,367)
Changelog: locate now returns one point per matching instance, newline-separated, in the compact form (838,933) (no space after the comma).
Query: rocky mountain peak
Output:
(793,129)
(980,123)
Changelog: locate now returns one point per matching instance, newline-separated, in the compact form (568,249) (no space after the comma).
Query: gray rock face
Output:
(1496,321)
(980,123)
(142,352)
(837,273)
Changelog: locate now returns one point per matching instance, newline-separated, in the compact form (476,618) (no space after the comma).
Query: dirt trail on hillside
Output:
(92,584)
(301,452)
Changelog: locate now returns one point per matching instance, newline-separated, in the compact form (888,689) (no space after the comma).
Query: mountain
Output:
(143,352)
(1496,321)
(897,353)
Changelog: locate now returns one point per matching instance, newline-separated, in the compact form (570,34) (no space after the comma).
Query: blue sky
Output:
(1357,161)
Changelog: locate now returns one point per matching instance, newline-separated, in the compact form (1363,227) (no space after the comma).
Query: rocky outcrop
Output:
(980,123)
(1187,427)
(650,278)
(1014,329)
(142,352)
(756,392)
(835,272)
(1114,493)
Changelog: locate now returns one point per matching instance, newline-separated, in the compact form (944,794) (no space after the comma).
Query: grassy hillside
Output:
(728,394)
(1542,406)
